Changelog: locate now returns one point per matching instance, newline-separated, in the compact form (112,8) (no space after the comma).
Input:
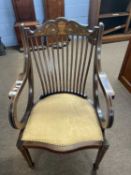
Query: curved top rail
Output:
(61,26)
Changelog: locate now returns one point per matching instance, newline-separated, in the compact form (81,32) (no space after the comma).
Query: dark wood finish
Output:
(24,13)
(125,73)
(114,29)
(53,9)
(106,11)
(100,154)
(31,24)
(116,38)
(110,15)
(70,76)
(24,10)
(26,155)
(128,22)
(94,11)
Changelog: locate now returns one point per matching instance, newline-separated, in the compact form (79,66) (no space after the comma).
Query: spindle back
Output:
(62,51)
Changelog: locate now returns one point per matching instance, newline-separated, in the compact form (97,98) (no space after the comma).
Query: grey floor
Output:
(117,161)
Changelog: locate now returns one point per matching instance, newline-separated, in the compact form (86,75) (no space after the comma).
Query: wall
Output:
(7,23)
(39,10)
(77,10)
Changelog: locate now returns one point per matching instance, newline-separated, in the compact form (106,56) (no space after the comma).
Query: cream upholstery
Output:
(62,119)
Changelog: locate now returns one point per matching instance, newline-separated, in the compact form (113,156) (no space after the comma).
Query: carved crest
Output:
(61,26)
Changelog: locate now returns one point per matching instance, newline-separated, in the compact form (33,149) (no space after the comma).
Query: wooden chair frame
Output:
(99,78)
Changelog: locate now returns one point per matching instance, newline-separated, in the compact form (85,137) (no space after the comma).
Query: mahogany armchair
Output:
(63,120)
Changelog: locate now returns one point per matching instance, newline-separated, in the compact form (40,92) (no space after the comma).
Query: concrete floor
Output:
(117,161)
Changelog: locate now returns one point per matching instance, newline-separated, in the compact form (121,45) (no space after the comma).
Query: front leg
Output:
(101,152)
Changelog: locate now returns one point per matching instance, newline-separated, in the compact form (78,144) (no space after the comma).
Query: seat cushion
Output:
(62,119)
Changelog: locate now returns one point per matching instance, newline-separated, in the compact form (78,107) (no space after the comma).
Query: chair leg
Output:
(100,155)
(26,155)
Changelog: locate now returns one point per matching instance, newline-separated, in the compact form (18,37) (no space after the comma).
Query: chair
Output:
(63,120)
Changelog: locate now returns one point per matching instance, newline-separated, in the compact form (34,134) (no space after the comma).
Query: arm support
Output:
(101,79)
(105,85)
(109,95)
(15,93)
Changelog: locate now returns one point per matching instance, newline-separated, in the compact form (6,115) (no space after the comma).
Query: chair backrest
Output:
(62,51)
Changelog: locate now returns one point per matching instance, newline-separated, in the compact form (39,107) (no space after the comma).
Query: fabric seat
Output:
(63,119)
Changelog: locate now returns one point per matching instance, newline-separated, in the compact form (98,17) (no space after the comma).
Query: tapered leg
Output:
(26,155)
(100,155)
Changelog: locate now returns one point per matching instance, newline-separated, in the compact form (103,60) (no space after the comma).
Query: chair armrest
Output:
(15,93)
(16,86)
(105,85)
(107,120)
(101,78)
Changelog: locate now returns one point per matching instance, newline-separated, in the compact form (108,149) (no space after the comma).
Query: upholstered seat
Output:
(62,119)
